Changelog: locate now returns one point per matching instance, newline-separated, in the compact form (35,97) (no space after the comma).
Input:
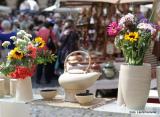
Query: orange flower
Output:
(32,51)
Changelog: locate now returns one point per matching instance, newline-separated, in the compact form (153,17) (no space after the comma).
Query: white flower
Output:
(25,37)
(19,34)
(22,32)
(146,26)
(6,44)
(13,38)
(128,17)
(29,35)
(20,42)
(121,37)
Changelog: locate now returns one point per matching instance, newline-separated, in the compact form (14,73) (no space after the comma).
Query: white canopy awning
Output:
(108,1)
(135,1)
(5,9)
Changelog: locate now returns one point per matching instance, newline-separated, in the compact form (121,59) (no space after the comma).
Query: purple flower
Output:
(143,20)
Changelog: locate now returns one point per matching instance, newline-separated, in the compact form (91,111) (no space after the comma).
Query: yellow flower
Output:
(15,54)
(132,36)
(40,42)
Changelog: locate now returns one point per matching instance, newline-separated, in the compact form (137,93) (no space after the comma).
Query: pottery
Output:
(134,86)
(109,70)
(84,98)
(77,81)
(6,84)
(24,90)
(158,80)
(48,94)
(2,89)
(13,83)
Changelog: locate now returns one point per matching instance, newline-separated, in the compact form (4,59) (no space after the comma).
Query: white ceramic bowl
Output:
(48,94)
(84,99)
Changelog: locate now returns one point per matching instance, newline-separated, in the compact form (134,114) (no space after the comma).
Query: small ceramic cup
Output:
(48,94)
(84,98)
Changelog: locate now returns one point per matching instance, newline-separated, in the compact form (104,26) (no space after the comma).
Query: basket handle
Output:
(83,52)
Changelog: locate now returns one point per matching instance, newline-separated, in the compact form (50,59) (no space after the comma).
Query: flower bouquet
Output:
(133,38)
(22,60)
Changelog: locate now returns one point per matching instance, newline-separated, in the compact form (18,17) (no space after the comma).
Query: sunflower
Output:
(132,36)
(40,42)
(15,54)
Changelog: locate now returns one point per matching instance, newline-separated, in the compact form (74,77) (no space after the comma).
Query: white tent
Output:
(55,6)
(5,9)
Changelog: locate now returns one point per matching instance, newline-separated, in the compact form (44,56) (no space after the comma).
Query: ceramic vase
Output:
(6,84)
(13,83)
(24,90)
(134,86)
(2,91)
(158,80)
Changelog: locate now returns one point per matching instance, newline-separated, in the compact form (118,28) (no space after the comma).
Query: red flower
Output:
(22,72)
(32,51)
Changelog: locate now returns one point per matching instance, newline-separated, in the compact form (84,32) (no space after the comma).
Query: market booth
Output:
(98,107)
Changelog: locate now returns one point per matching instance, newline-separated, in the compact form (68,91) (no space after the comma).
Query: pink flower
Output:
(113,29)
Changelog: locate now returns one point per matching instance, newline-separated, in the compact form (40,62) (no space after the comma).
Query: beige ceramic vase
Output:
(77,81)
(134,86)
(24,90)
(6,84)
(158,80)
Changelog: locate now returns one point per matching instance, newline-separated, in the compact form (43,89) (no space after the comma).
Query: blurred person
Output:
(124,8)
(138,13)
(25,23)
(57,28)
(5,36)
(69,42)
(32,31)
(16,26)
(45,32)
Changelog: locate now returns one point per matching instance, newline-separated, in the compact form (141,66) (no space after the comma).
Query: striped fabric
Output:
(151,58)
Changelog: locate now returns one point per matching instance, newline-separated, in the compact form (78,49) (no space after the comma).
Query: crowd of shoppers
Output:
(62,31)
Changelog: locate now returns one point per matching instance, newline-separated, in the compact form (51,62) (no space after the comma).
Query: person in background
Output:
(45,32)
(124,8)
(69,42)
(138,13)
(16,26)
(57,28)
(5,36)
